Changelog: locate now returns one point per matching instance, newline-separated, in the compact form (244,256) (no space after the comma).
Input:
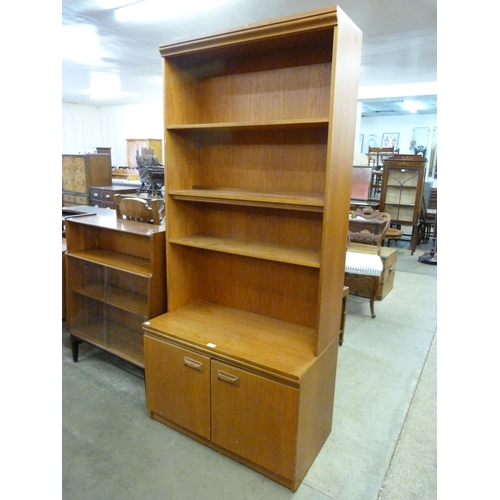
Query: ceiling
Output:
(399,57)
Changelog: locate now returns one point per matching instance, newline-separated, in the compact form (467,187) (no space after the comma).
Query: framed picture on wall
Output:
(390,140)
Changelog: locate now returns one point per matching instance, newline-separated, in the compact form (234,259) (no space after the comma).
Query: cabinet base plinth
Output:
(291,484)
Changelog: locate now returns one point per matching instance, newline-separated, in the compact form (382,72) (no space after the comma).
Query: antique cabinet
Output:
(259,141)
(134,145)
(402,182)
(79,172)
(115,281)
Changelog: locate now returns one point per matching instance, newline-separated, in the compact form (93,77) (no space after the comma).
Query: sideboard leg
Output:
(74,347)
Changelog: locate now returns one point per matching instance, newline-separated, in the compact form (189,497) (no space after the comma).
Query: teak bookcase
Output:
(259,144)
(115,282)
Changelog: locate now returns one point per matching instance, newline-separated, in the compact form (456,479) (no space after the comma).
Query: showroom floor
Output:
(382,445)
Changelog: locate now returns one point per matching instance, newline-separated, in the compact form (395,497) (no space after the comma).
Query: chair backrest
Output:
(368,226)
(376,156)
(139,209)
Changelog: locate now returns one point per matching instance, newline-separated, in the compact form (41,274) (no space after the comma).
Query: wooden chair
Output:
(376,158)
(366,226)
(139,209)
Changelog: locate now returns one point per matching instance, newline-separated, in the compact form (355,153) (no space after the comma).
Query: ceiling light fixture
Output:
(148,10)
(412,106)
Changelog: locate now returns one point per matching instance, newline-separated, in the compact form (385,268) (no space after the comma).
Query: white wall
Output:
(403,125)
(87,127)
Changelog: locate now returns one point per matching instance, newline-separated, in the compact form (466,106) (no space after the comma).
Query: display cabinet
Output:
(79,172)
(134,145)
(259,143)
(403,178)
(115,281)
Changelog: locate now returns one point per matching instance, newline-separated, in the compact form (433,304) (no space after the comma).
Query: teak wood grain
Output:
(259,141)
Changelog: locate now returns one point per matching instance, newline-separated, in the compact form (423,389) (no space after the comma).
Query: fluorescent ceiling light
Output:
(148,10)
(411,106)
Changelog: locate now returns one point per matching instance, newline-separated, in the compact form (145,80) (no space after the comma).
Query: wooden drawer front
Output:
(96,203)
(254,417)
(178,385)
(108,204)
(69,198)
(81,199)
(95,193)
(108,195)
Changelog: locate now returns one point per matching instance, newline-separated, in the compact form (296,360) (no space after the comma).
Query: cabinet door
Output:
(178,385)
(254,417)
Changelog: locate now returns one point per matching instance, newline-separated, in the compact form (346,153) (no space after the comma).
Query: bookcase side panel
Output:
(345,77)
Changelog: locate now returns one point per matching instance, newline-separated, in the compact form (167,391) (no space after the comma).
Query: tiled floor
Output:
(382,446)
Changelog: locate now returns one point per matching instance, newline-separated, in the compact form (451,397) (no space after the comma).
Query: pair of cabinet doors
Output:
(239,411)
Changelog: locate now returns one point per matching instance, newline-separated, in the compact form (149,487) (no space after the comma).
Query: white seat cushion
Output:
(360,263)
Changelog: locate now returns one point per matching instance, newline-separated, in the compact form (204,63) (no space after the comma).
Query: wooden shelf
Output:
(118,340)
(115,260)
(251,198)
(246,126)
(117,297)
(396,204)
(277,253)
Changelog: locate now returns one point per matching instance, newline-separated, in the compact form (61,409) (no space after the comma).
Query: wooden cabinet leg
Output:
(74,347)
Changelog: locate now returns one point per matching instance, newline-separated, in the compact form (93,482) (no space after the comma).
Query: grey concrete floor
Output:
(382,445)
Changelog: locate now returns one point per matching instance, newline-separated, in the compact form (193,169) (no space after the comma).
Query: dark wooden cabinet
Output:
(104,196)
(401,196)
(259,141)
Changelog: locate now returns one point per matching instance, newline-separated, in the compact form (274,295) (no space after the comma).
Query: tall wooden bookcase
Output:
(259,143)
